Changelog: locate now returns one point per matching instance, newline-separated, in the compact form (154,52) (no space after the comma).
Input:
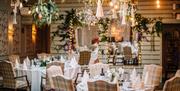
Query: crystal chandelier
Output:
(87,15)
(122,11)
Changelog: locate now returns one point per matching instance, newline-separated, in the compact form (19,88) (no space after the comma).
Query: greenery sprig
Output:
(141,26)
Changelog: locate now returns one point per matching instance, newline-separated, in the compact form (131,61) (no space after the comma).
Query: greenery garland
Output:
(44,13)
(141,26)
(103,24)
(70,22)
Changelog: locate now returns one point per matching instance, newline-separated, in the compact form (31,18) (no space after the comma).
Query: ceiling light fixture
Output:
(45,12)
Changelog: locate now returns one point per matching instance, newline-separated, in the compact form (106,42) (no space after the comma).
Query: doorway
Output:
(170,50)
(43,39)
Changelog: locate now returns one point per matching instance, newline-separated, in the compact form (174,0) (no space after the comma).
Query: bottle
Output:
(102,72)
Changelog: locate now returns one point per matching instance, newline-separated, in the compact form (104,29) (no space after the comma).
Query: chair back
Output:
(84,57)
(51,71)
(8,74)
(56,63)
(13,58)
(100,85)
(127,53)
(172,85)
(177,73)
(63,84)
(154,74)
(95,69)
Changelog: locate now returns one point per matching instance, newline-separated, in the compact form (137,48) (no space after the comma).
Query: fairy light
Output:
(116,7)
(111,4)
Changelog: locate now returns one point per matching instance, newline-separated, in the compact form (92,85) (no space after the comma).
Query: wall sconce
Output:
(158,4)
(10,32)
(34,31)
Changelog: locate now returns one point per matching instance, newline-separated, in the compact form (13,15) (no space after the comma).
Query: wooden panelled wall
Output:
(84,36)
(10,42)
(21,39)
(148,8)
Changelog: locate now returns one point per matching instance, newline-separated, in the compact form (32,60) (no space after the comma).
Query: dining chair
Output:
(177,73)
(13,58)
(154,74)
(10,80)
(127,52)
(96,69)
(84,57)
(172,84)
(63,84)
(101,85)
(56,63)
(51,70)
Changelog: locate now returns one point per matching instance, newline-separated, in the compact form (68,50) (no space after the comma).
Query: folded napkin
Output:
(32,63)
(73,62)
(17,64)
(27,61)
(94,56)
(48,59)
(85,47)
(133,75)
(85,77)
(24,65)
(121,70)
(62,59)
(109,74)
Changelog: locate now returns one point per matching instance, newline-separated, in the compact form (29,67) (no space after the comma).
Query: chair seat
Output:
(21,84)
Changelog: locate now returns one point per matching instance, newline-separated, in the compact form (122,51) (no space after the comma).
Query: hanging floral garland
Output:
(143,24)
(103,24)
(44,13)
(70,22)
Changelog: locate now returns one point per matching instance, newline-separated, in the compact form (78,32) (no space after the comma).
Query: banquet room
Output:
(89,45)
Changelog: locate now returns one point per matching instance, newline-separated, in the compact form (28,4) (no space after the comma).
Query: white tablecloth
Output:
(34,76)
(71,72)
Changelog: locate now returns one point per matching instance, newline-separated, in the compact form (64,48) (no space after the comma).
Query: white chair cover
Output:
(177,73)
(152,75)
(53,71)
